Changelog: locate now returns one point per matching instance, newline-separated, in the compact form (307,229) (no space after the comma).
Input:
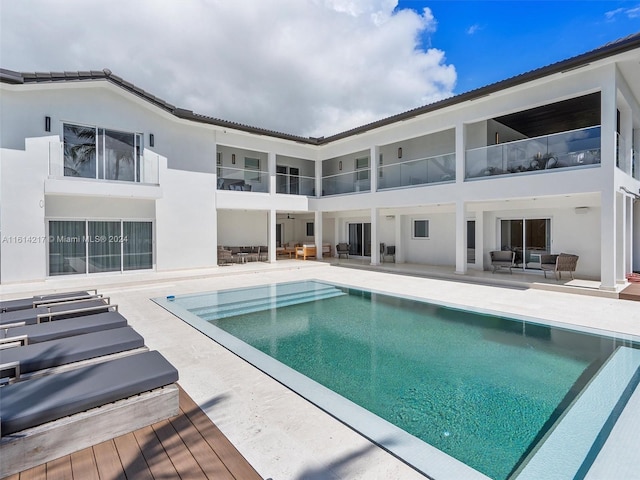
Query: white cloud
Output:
(308,67)
(632,12)
(473,29)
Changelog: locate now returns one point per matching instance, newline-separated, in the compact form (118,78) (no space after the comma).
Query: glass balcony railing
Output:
(350,182)
(441,168)
(242,179)
(295,185)
(576,148)
(109,166)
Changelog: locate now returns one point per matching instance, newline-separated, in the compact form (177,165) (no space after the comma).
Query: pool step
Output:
(243,298)
(265,303)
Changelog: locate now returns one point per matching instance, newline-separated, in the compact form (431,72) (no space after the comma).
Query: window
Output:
(310,229)
(251,169)
(92,152)
(82,246)
(421,229)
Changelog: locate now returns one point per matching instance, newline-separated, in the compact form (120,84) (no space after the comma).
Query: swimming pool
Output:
(482,388)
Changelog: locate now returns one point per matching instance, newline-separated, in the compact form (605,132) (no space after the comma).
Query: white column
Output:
(271,241)
(480,240)
(375,246)
(318,178)
(271,168)
(399,240)
(374,159)
(608,215)
(336,231)
(317,230)
(628,261)
(621,236)
(461,238)
(460,150)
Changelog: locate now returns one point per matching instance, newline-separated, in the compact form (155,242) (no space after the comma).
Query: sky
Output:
(306,67)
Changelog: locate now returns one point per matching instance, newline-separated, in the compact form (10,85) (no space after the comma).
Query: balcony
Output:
(108,167)
(437,169)
(573,149)
(349,182)
(243,179)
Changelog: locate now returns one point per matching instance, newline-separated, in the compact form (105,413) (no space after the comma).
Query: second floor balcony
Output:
(576,148)
(436,169)
(119,165)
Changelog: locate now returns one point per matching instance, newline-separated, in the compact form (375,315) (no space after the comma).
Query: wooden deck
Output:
(631,292)
(188,446)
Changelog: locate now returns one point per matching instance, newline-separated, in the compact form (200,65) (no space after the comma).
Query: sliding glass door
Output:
(85,246)
(360,239)
(529,238)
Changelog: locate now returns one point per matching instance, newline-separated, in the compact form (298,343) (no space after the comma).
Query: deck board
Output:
(154,453)
(631,292)
(83,465)
(108,461)
(188,446)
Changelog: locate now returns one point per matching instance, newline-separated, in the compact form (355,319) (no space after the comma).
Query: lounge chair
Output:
(306,251)
(49,417)
(32,302)
(502,259)
(390,252)
(70,327)
(342,249)
(57,311)
(26,362)
(224,256)
(565,262)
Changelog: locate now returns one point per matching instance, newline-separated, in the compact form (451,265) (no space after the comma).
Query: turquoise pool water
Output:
(481,388)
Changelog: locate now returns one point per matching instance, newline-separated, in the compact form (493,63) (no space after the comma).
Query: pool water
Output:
(481,388)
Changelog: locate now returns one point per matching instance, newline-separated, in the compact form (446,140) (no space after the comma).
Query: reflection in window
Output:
(91,152)
(79,151)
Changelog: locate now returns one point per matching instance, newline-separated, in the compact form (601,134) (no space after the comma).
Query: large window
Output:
(99,246)
(92,152)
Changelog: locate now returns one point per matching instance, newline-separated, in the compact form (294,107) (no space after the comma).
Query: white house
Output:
(97,175)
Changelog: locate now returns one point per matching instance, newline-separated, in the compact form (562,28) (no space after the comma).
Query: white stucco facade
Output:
(444,184)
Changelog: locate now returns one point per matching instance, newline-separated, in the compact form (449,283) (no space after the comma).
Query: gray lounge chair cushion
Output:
(22,303)
(69,327)
(29,316)
(73,349)
(41,400)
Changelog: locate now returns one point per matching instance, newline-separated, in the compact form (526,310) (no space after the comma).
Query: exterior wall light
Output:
(47,124)
(233,158)
(399,152)
(152,140)
(340,165)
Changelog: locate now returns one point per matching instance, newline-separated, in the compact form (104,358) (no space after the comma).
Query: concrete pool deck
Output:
(282,435)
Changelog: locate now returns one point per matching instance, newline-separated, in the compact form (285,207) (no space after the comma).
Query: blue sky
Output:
(489,41)
(306,67)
